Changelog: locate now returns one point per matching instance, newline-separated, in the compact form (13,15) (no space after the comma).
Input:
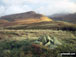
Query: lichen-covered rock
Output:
(48,41)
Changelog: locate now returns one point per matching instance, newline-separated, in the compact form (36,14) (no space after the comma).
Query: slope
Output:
(24,18)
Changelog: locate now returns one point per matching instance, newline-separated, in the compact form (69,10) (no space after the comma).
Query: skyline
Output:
(46,7)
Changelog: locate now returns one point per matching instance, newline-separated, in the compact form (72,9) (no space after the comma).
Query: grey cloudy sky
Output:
(46,7)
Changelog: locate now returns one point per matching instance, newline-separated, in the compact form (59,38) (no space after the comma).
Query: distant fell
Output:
(64,17)
(24,18)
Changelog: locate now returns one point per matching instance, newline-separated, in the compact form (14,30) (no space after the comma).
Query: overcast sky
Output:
(46,7)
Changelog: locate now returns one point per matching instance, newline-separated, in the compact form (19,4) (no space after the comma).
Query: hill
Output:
(65,17)
(23,18)
(54,25)
(32,20)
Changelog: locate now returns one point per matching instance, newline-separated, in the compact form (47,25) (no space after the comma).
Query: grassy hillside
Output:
(54,25)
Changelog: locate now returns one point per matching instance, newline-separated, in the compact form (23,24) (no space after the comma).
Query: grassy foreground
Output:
(27,48)
(20,43)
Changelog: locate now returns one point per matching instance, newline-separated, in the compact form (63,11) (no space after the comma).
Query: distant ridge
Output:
(65,17)
(24,18)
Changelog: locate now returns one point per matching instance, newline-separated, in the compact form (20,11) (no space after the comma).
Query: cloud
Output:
(17,9)
(2,10)
(58,7)
(45,7)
